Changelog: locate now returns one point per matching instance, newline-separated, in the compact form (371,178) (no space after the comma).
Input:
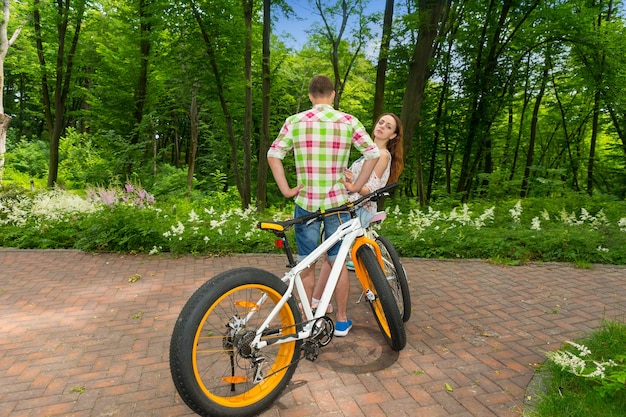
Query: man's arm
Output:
(276,165)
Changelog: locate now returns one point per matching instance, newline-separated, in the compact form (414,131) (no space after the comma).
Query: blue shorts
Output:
(308,236)
(365,216)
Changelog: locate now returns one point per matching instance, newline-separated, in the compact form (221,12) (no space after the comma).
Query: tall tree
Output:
(204,21)
(69,18)
(451,26)
(383,56)
(431,12)
(145,45)
(599,81)
(195,133)
(335,22)
(498,29)
(5,43)
(246,189)
(261,190)
(533,127)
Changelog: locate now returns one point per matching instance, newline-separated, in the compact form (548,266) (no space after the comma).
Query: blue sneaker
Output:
(350,266)
(342,328)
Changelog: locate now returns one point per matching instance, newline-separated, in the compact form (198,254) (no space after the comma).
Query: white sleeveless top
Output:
(374,182)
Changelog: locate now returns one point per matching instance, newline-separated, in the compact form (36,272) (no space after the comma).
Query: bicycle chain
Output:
(311,347)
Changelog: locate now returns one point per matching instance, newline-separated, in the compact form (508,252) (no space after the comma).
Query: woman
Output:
(387,135)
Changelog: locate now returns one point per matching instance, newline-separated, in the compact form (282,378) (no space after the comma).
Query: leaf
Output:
(448,387)
(134,278)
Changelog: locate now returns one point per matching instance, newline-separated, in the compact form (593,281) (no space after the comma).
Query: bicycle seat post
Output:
(284,243)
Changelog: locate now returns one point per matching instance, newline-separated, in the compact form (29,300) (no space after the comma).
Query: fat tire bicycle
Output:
(238,339)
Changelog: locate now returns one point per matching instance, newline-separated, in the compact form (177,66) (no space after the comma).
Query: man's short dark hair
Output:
(321,86)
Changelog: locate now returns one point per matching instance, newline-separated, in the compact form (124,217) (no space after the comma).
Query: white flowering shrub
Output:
(44,207)
(419,221)
(578,364)
(210,231)
(127,218)
(605,370)
(516,211)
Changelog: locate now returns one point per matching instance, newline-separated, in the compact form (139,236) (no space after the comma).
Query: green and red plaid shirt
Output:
(321,139)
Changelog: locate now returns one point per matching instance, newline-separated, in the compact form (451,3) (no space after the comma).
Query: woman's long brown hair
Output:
(395,148)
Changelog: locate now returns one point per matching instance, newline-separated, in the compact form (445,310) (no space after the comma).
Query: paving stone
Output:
(79,339)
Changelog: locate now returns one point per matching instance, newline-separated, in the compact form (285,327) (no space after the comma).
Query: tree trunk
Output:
(484,99)
(223,103)
(5,119)
(193,118)
(261,190)
(593,141)
(246,195)
(533,131)
(482,83)
(381,69)
(5,43)
(416,81)
(55,110)
(596,107)
(142,85)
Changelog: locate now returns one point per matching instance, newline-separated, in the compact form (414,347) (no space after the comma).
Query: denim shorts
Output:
(365,216)
(308,236)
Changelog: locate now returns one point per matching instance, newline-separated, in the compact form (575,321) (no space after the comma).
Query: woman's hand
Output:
(350,187)
(348,174)
(348,181)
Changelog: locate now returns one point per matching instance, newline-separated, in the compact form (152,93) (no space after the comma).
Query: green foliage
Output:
(170,181)
(122,228)
(129,219)
(568,394)
(580,57)
(564,230)
(29,157)
(82,161)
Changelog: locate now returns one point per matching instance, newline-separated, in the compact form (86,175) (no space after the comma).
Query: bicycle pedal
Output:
(311,350)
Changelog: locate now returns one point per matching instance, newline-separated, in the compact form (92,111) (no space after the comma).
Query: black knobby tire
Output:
(384,304)
(212,369)
(396,277)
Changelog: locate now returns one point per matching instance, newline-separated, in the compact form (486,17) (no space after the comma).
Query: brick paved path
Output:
(78,339)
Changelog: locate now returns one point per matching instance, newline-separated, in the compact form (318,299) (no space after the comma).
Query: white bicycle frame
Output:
(347,233)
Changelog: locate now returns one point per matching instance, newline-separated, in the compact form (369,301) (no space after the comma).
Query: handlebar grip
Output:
(270,226)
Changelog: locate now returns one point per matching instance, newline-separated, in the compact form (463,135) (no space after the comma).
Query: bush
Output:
(28,157)
(587,377)
(129,219)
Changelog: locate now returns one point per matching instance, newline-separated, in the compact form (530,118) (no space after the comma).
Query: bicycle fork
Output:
(359,269)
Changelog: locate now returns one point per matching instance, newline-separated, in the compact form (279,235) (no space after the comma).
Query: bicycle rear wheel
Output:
(378,293)
(214,368)
(396,277)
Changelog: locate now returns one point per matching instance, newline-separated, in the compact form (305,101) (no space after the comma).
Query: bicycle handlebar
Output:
(280,226)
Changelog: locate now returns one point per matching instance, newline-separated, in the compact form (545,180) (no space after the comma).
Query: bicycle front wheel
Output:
(378,293)
(396,277)
(215,369)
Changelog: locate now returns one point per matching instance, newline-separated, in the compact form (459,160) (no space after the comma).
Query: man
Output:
(321,139)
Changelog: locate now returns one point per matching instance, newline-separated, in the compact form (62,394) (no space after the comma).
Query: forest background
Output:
(501,102)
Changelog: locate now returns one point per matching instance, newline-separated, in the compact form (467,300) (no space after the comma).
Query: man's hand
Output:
(292,192)
(276,165)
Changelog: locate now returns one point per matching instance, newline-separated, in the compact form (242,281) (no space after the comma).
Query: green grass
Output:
(567,395)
